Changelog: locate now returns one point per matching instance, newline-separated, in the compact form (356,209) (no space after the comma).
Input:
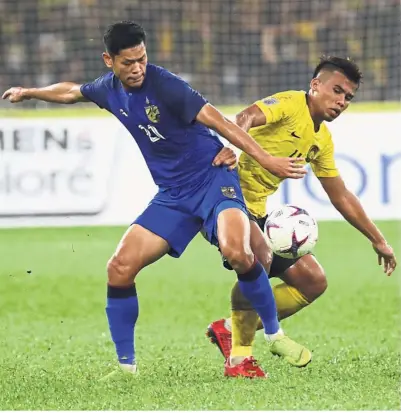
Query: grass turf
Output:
(54,340)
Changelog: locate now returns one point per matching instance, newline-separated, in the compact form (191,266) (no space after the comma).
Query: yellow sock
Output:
(243,328)
(288,301)
(245,321)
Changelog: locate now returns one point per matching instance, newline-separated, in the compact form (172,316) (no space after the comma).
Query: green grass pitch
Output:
(54,340)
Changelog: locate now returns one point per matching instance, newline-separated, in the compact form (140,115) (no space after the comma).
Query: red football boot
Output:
(247,368)
(219,335)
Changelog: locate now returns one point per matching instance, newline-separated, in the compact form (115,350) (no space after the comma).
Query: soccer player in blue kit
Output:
(172,124)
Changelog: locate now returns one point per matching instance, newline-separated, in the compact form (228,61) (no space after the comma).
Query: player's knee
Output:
(120,272)
(317,284)
(265,258)
(321,282)
(239,257)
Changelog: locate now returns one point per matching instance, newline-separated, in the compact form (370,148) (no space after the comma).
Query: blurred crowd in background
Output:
(231,50)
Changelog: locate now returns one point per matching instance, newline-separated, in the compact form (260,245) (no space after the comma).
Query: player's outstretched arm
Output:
(281,167)
(65,92)
(351,209)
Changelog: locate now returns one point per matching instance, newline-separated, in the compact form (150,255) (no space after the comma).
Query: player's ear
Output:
(108,61)
(314,84)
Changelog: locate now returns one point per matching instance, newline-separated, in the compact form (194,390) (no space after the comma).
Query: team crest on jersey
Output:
(228,191)
(270,101)
(312,153)
(152,112)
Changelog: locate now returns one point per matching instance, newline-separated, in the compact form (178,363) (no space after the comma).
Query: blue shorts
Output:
(178,214)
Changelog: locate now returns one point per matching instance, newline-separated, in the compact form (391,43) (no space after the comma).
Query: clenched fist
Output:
(16,94)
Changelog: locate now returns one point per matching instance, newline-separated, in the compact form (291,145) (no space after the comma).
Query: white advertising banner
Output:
(54,167)
(90,171)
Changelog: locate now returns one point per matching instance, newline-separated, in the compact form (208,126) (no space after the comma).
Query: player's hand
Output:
(226,157)
(385,256)
(15,94)
(286,167)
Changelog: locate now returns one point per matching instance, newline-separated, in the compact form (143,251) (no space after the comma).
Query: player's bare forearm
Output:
(65,92)
(350,208)
(251,117)
(244,120)
(212,118)
(280,167)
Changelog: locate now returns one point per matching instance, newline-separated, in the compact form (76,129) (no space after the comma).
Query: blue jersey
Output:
(161,118)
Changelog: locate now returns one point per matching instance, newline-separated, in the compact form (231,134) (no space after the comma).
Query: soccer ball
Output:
(291,231)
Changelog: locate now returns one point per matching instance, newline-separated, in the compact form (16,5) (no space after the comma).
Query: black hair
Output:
(346,66)
(123,35)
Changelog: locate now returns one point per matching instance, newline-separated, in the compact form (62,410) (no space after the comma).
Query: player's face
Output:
(129,65)
(333,93)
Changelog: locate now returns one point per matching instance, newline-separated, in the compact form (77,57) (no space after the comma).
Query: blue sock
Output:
(122,312)
(255,286)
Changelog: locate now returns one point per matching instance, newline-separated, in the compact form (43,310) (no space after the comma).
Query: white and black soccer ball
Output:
(291,231)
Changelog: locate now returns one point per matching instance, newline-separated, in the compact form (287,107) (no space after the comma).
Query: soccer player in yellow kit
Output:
(291,124)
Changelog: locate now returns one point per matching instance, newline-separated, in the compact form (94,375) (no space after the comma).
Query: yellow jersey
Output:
(289,131)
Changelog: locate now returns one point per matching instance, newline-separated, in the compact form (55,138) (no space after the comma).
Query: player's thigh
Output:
(158,230)
(223,193)
(260,247)
(226,219)
(306,275)
(173,225)
(138,248)
(233,235)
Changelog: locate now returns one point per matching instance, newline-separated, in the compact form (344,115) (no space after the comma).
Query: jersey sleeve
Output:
(324,165)
(183,101)
(276,108)
(97,91)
